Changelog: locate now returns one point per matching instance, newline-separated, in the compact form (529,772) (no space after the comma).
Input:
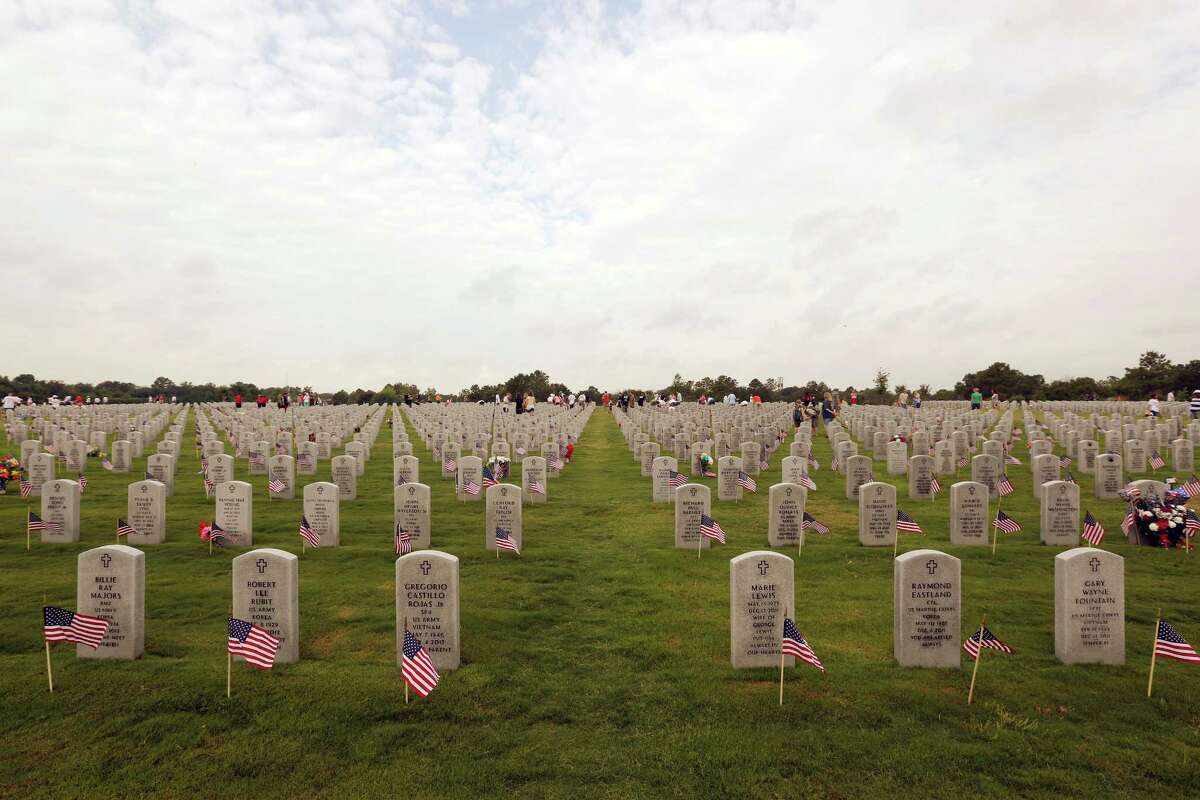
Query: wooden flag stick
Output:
(699,545)
(402,651)
(782,657)
(228,656)
(978,655)
(27,521)
(1153,652)
(49,669)
(995,527)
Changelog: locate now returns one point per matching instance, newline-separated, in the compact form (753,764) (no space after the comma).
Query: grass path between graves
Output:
(595,664)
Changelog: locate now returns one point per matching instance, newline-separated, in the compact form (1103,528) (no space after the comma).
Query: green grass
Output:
(596,664)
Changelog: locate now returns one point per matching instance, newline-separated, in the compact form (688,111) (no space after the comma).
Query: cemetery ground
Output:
(596,662)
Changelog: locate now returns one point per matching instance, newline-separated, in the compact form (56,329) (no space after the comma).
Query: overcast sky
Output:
(360,192)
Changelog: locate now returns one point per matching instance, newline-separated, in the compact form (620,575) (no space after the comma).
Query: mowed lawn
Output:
(596,664)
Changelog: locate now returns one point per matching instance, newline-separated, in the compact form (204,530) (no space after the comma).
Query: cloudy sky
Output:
(358,192)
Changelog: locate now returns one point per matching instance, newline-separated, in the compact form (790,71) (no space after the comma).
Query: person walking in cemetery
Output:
(519,399)
(1170,397)
(916,400)
(798,416)
(853,397)
(902,400)
(828,412)
(1152,405)
(237,401)
(11,401)
(976,399)
(1194,405)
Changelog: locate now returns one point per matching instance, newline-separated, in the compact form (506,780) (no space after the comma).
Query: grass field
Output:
(595,664)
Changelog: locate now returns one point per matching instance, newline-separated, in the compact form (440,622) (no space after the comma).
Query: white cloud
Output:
(351,194)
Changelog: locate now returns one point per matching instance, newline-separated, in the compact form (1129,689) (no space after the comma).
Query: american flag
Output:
(36,523)
(252,643)
(935,486)
(26,488)
(835,464)
(505,541)
(471,487)
(256,458)
(150,476)
(676,479)
(402,540)
(746,482)
(124,528)
(808,483)
(1093,531)
(1004,486)
(763,465)
(1191,523)
(275,486)
(108,465)
(1130,518)
(1011,459)
(417,667)
(1156,461)
(1132,492)
(449,464)
(537,487)
(60,625)
(310,537)
(304,460)
(711,529)
(984,638)
(907,524)
(962,462)
(83,482)
(208,487)
(708,473)
(556,465)
(1169,644)
(810,522)
(1064,461)
(812,461)
(203,466)
(212,532)
(1192,486)
(1005,523)
(489,478)
(795,645)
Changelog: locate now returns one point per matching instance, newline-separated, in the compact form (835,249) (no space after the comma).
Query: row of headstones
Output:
(1089,589)
(1089,608)
(111,584)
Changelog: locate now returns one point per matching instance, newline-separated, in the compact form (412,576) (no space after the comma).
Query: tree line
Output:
(1154,374)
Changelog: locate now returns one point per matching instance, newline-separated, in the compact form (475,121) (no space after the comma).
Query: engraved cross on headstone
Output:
(106,559)
(1095,562)
(262,565)
(425,567)
(763,566)
(931,565)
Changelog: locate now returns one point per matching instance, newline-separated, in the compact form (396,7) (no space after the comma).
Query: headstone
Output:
(877,514)
(283,468)
(358,451)
(761,594)
(503,510)
(1045,469)
(985,469)
(969,515)
(647,453)
(161,467)
(859,471)
(927,605)
(533,470)
(691,501)
(1135,455)
(412,512)
(406,469)
(266,593)
(751,453)
(235,512)
(60,506)
(111,584)
(40,472)
(146,512)
(920,477)
(322,510)
(794,468)
(897,458)
(1089,606)
(258,453)
(728,468)
(1110,477)
(786,515)
(1183,455)
(662,491)
(1060,514)
(470,471)
(344,470)
(427,605)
